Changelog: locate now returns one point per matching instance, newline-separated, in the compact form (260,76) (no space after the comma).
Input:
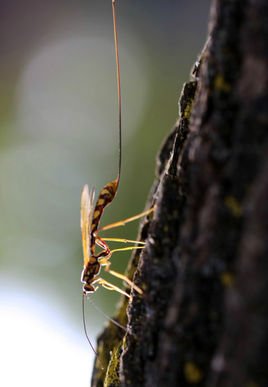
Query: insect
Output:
(91,215)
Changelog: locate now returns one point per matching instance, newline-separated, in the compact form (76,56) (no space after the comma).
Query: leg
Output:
(127,220)
(127,248)
(105,262)
(104,257)
(126,279)
(109,286)
(106,254)
(101,242)
(122,240)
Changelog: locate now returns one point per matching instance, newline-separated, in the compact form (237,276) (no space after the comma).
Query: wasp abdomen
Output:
(105,197)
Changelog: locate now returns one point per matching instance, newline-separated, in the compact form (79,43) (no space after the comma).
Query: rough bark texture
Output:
(203,317)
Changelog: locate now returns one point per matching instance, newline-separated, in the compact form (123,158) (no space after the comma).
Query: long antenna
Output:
(85,325)
(118,90)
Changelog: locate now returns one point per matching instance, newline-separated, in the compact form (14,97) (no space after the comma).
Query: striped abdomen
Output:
(105,197)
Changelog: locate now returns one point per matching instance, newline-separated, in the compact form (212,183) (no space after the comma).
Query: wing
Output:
(87,199)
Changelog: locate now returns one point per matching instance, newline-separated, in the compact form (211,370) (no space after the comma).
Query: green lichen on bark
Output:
(112,374)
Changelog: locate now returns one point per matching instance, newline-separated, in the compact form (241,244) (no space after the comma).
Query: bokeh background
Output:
(58,131)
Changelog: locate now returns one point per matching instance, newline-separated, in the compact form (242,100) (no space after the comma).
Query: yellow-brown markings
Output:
(96,214)
(104,192)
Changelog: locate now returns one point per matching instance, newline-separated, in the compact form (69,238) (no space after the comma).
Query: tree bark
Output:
(203,316)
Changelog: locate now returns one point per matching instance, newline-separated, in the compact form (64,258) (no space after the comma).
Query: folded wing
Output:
(87,204)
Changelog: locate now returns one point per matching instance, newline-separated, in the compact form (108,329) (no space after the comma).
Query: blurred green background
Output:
(58,131)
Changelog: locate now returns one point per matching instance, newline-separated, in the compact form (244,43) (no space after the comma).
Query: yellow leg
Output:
(105,262)
(109,286)
(125,279)
(127,220)
(126,248)
(122,240)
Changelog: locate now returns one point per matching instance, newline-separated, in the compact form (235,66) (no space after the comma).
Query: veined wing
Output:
(87,199)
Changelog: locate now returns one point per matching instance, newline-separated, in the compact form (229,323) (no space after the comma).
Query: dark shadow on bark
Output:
(202,319)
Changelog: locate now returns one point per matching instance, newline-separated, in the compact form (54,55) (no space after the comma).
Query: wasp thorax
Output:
(89,272)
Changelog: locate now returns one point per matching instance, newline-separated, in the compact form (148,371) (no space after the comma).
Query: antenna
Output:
(119,98)
(85,325)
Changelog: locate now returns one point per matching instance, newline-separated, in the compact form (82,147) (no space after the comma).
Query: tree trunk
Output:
(203,316)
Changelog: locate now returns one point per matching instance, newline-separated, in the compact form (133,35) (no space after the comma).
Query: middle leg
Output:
(105,262)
